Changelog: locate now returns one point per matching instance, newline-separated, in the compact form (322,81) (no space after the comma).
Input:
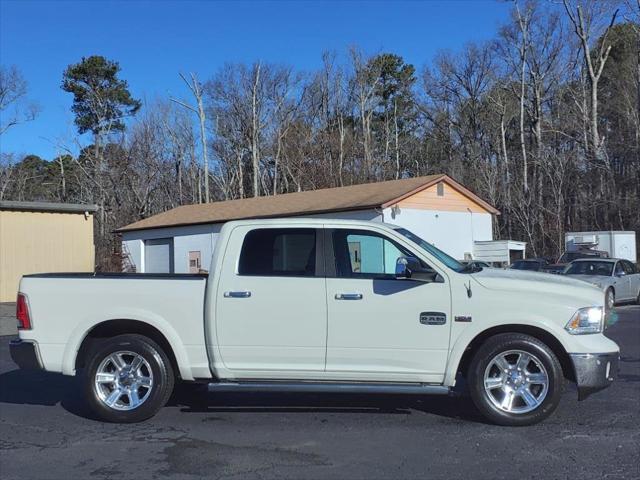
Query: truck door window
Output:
(362,254)
(278,252)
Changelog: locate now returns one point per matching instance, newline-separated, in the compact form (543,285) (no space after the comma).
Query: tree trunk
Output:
(255,157)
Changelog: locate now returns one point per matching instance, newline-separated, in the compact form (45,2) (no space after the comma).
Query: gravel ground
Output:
(45,433)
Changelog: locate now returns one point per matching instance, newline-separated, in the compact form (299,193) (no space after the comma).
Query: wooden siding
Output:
(41,242)
(451,201)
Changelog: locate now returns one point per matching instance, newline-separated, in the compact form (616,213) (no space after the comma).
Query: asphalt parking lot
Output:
(45,433)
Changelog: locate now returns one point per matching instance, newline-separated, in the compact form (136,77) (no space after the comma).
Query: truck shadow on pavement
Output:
(457,407)
(49,389)
(31,387)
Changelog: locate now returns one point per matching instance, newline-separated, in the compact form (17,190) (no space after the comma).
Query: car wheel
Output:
(610,298)
(515,380)
(128,379)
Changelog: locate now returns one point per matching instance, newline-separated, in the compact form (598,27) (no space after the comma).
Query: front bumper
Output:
(25,354)
(594,371)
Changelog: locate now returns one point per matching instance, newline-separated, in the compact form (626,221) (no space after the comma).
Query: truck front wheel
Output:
(128,378)
(515,380)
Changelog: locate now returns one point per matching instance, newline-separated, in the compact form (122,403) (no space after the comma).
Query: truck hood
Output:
(535,283)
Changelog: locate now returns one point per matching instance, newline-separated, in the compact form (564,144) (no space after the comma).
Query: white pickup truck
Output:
(320,305)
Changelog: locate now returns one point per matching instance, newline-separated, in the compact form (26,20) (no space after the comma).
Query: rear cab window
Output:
(279,252)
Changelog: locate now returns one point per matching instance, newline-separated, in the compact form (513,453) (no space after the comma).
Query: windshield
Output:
(449,261)
(590,268)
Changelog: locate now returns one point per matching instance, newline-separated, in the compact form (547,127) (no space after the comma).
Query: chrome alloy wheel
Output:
(123,380)
(516,381)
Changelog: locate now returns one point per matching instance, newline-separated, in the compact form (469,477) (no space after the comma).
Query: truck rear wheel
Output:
(128,378)
(515,380)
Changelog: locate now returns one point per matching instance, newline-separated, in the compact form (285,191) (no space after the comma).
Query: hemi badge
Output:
(463,318)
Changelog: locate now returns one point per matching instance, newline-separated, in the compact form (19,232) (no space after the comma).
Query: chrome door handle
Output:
(348,296)
(237,294)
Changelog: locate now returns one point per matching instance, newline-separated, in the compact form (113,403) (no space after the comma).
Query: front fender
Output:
(466,338)
(81,331)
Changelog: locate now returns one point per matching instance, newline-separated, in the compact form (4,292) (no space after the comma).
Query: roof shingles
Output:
(355,197)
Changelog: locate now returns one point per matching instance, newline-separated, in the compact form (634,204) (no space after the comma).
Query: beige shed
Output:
(37,237)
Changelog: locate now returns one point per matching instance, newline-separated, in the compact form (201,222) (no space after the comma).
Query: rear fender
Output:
(82,330)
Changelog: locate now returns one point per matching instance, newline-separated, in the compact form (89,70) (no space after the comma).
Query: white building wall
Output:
(452,232)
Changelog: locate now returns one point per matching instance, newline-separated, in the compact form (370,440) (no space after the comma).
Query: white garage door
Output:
(158,255)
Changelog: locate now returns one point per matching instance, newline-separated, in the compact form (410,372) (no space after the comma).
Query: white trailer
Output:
(618,244)
(499,252)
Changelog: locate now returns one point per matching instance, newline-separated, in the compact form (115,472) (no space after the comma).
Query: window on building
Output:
(440,189)
(279,252)
(195,264)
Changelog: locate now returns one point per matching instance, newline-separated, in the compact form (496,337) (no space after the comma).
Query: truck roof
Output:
(309,221)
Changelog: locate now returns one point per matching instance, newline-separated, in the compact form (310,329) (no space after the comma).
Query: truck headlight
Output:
(586,320)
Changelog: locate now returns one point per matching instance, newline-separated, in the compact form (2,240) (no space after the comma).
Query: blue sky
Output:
(154,40)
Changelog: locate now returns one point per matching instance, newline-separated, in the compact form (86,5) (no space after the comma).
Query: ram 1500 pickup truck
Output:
(320,305)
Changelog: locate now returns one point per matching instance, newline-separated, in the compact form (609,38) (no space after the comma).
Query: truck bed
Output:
(65,306)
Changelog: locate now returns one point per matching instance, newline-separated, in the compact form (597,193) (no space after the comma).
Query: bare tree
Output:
(13,107)
(513,119)
(365,83)
(196,90)
(585,17)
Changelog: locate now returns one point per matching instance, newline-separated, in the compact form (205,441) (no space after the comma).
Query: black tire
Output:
(508,342)
(609,293)
(160,368)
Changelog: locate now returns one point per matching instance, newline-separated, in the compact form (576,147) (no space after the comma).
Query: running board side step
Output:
(328,387)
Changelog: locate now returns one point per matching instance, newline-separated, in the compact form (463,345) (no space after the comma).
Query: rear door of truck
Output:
(271,311)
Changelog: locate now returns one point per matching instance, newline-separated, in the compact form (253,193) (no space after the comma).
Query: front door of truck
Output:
(271,312)
(381,327)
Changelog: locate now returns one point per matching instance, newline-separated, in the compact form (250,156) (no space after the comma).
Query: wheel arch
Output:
(543,335)
(114,327)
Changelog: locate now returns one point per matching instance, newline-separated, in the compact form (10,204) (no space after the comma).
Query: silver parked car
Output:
(619,279)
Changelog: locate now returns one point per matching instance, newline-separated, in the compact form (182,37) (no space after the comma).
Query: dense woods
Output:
(543,121)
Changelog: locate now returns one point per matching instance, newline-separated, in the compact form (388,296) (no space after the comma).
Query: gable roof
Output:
(355,197)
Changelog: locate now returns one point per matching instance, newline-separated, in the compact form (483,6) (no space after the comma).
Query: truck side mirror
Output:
(411,268)
(407,266)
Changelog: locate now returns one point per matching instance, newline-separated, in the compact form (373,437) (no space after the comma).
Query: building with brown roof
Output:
(435,207)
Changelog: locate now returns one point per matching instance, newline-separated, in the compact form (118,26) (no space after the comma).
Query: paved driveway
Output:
(8,319)
(44,433)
